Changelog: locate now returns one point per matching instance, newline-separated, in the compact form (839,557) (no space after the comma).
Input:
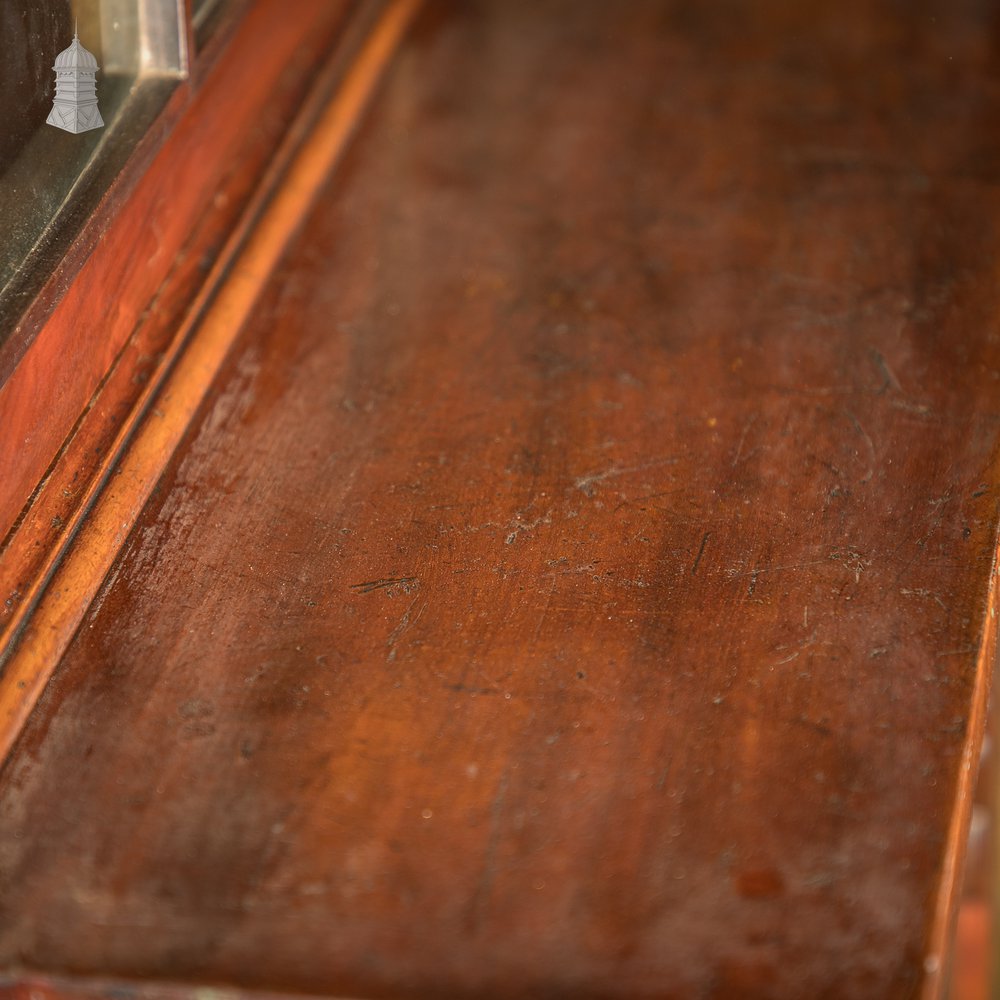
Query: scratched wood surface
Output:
(578,583)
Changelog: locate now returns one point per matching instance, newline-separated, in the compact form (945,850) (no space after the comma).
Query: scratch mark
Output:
(773,569)
(753,582)
(401,626)
(871,447)
(853,561)
(488,876)
(586,483)
(701,552)
(818,727)
(518,526)
(955,652)
(890,380)
(920,409)
(392,581)
(664,774)
(787,659)
(923,593)
(467,689)
(743,437)
(632,501)
(799,390)
(544,614)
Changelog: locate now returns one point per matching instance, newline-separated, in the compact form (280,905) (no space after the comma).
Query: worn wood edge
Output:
(949,887)
(30,985)
(104,523)
(20,566)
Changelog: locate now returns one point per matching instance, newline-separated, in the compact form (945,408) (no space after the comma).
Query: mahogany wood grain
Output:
(579,581)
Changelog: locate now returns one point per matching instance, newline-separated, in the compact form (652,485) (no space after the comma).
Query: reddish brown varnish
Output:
(579,581)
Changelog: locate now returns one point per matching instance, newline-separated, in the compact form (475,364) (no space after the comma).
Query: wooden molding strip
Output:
(941,931)
(181,383)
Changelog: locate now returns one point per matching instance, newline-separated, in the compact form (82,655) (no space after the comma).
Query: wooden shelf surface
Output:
(579,579)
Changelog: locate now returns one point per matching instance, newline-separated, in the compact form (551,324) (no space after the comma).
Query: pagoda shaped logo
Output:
(75,106)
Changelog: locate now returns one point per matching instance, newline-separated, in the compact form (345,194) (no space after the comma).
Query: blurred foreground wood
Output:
(579,579)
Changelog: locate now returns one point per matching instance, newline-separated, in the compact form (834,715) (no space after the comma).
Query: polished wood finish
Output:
(579,580)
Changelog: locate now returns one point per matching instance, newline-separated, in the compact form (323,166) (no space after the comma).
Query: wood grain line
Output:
(107,517)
